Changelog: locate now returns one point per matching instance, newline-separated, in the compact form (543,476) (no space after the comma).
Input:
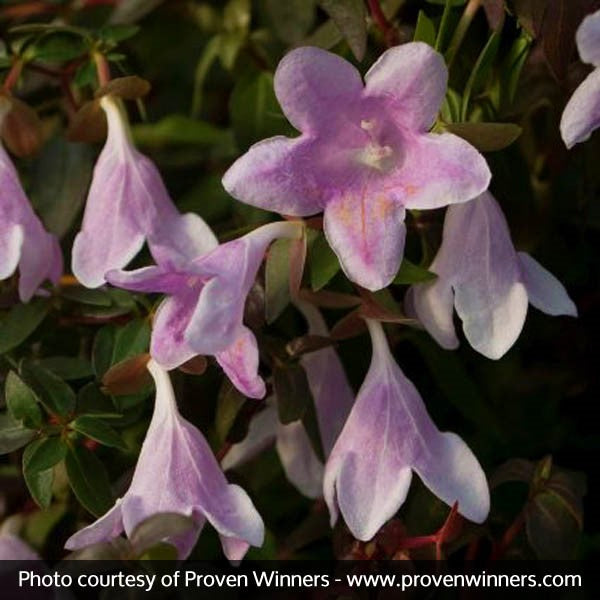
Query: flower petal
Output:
(149,279)
(300,463)
(440,170)
(588,39)
(312,85)
(277,174)
(412,77)
(168,345)
(240,363)
(13,548)
(367,234)
(11,241)
(581,116)
(455,476)
(545,292)
(107,527)
(234,548)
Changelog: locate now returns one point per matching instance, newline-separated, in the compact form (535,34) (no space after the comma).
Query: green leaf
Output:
(113,34)
(510,70)
(326,36)
(96,429)
(21,402)
(92,401)
(207,58)
(442,33)
(254,110)
(86,296)
(102,350)
(39,483)
(20,322)
(68,367)
(58,47)
(277,279)
(12,434)
(350,18)
(486,137)
(230,45)
(181,130)
(56,396)
(480,72)
(425,30)
(323,263)
(60,180)
(410,273)
(291,20)
(236,15)
(46,453)
(229,403)
(131,340)
(88,480)
(292,391)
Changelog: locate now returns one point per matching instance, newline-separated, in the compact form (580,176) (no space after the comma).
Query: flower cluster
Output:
(365,155)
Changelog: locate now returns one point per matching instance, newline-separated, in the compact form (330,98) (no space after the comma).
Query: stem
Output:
(387,29)
(461,29)
(509,535)
(13,75)
(102,69)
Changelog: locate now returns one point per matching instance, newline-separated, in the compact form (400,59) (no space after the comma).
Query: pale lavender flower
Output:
(14,548)
(333,398)
(364,156)
(127,205)
(24,243)
(204,309)
(582,113)
(387,436)
(486,280)
(178,473)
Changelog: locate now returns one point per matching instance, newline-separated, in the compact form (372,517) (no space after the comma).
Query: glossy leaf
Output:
(97,429)
(68,367)
(22,402)
(410,273)
(56,396)
(277,279)
(12,434)
(39,483)
(46,453)
(424,30)
(20,322)
(323,263)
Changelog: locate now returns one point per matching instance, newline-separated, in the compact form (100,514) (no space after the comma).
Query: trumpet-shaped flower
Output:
(204,309)
(24,243)
(333,399)
(14,548)
(128,204)
(582,113)
(364,155)
(486,280)
(178,473)
(387,436)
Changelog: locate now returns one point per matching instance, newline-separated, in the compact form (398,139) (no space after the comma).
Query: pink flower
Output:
(24,243)
(333,398)
(364,155)
(486,280)
(128,204)
(178,473)
(387,436)
(582,113)
(204,309)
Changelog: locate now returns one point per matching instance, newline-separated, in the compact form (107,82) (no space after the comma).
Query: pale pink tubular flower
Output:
(364,155)
(486,280)
(14,548)
(24,243)
(178,473)
(204,309)
(333,398)
(127,205)
(387,436)
(582,113)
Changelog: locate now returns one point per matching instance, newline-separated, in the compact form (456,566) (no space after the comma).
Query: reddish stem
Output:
(387,29)
(13,75)
(102,69)
(509,535)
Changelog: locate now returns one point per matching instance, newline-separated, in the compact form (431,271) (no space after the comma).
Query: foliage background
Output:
(210,65)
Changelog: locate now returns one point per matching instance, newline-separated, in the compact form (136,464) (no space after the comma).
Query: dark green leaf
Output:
(60,181)
(486,137)
(20,322)
(130,340)
(22,402)
(39,483)
(89,481)
(57,397)
(179,130)
(512,66)
(58,47)
(255,112)
(46,453)
(425,30)
(277,279)
(350,18)
(290,20)
(91,400)
(292,392)
(102,350)
(229,403)
(117,33)
(157,528)
(12,434)
(86,296)
(410,273)
(68,367)
(98,430)
(323,263)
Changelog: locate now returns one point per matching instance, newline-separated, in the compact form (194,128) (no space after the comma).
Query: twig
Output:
(390,35)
